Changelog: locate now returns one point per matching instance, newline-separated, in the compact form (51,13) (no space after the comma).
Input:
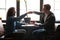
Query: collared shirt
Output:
(45,17)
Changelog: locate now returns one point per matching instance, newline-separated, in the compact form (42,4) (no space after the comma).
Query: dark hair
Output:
(10,11)
(47,6)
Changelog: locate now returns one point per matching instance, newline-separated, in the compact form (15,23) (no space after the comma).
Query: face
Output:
(44,9)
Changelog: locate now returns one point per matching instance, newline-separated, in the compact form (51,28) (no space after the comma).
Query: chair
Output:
(57,35)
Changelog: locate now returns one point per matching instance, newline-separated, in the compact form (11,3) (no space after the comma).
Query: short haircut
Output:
(47,6)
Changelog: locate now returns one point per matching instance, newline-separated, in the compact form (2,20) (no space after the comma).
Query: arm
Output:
(20,17)
(39,13)
(36,12)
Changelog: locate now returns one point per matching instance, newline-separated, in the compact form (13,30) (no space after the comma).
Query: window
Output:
(55,8)
(30,5)
(2,8)
(4,5)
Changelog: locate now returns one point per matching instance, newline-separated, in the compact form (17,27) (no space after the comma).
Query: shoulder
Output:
(52,14)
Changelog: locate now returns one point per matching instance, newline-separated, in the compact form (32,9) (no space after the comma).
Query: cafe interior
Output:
(26,24)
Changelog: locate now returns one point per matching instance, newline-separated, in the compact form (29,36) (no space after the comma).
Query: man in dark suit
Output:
(47,19)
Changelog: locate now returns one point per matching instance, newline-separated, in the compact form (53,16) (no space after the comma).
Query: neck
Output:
(47,12)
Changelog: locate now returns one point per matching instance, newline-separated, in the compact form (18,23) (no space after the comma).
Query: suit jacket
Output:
(49,24)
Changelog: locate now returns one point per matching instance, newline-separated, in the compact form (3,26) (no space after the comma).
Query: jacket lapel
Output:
(48,16)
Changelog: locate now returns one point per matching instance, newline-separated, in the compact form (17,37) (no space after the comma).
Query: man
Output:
(47,19)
